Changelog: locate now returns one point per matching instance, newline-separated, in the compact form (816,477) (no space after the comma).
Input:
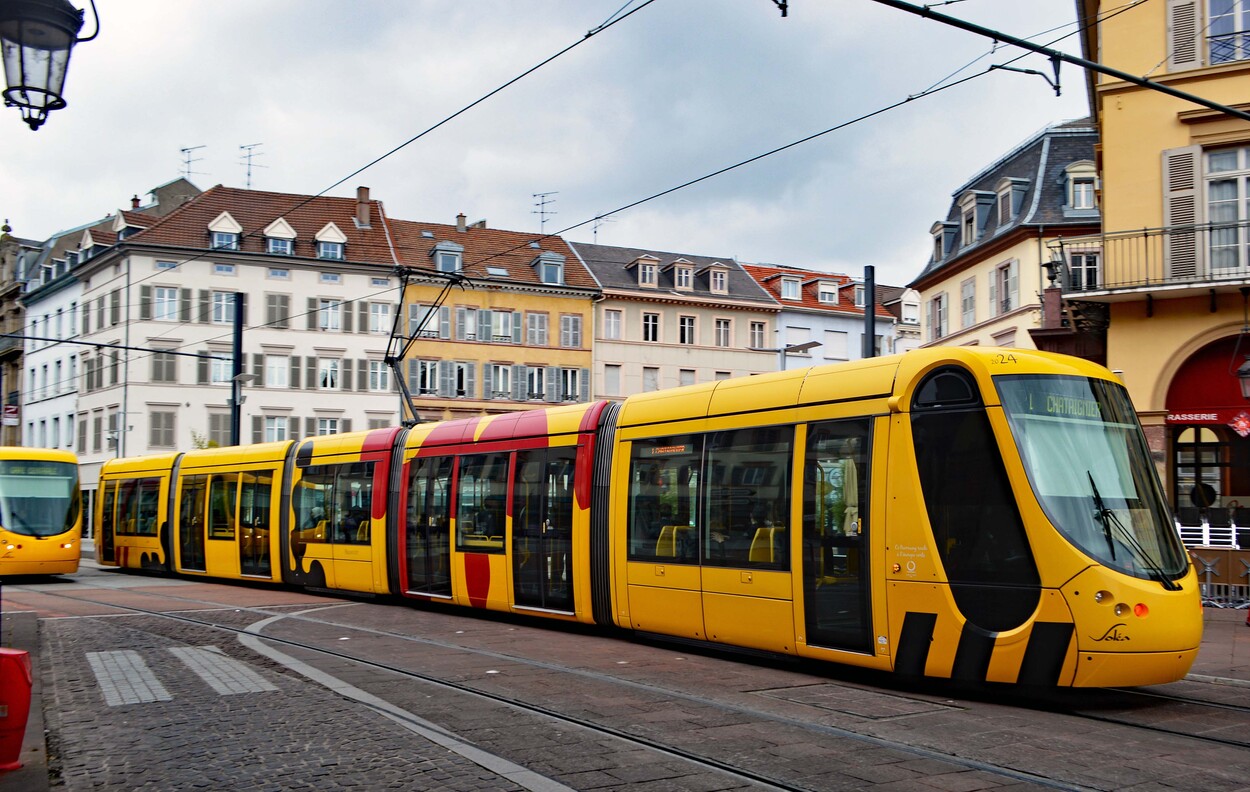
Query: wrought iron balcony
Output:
(1173,258)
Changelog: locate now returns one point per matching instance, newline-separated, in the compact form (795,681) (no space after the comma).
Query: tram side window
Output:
(223,495)
(138,507)
(312,495)
(108,505)
(429,498)
(747,477)
(663,496)
(254,493)
(481,509)
(333,503)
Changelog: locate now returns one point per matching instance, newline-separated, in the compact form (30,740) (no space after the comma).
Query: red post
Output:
(15,685)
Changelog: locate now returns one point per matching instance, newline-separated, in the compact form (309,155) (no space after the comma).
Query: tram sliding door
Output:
(542,528)
(427,539)
(837,610)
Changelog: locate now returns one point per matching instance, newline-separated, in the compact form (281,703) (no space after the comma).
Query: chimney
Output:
(362,207)
(134,202)
(460,218)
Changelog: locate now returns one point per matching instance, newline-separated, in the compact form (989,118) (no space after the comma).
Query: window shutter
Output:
(488,381)
(470,381)
(145,302)
(310,427)
(993,293)
(206,306)
(446,378)
(284,312)
(1182,206)
(312,313)
(584,395)
(86,317)
(444,322)
(552,393)
(294,378)
(310,368)
(362,375)
(485,331)
(293,428)
(243,304)
(1013,279)
(1184,35)
(362,323)
(345,425)
(115,306)
(516,327)
(258,370)
(258,429)
(184,305)
(201,369)
(414,317)
(519,382)
(412,377)
(345,310)
(460,323)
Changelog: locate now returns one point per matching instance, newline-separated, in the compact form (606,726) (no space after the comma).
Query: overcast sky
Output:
(678,90)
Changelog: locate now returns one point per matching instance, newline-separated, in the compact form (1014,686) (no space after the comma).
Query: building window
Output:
(651,327)
(758,331)
(327,426)
(379,318)
(277,371)
(165,304)
(219,370)
(571,332)
(501,326)
(911,313)
(719,281)
(223,308)
(791,289)
(275,429)
(1004,289)
(330,315)
(331,277)
(551,271)
(684,278)
(1228,30)
(279,274)
(277,310)
(379,376)
(648,275)
(828,293)
(328,373)
(536,329)
(225,240)
(570,384)
(1228,191)
(968,302)
(724,332)
(462,385)
(612,325)
(836,345)
(650,379)
(223,269)
(330,250)
(219,429)
(447,261)
(722,375)
(685,330)
(685,377)
(937,317)
(1083,271)
(859,295)
(535,379)
(611,380)
(427,378)
(164,367)
(166,265)
(1082,193)
(161,434)
(500,381)
(279,247)
(379,283)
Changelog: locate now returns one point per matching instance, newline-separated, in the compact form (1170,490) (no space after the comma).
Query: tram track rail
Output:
(698,759)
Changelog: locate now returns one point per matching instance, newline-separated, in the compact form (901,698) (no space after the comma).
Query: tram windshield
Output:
(1090,467)
(38,498)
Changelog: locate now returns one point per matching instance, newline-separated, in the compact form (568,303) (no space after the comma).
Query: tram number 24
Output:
(1001,359)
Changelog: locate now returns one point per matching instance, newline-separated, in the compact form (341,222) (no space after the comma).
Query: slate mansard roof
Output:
(611,267)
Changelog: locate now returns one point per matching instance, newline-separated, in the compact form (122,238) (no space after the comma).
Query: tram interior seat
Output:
(1219,517)
(764,546)
(362,531)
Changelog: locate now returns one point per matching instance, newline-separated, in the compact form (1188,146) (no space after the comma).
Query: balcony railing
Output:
(1197,255)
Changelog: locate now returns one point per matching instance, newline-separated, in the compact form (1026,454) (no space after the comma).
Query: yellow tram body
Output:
(979,515)
(40,512)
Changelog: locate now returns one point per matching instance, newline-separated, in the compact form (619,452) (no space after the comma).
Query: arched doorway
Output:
(1209,432)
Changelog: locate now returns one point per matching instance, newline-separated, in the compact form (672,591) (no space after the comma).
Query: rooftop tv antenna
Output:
(542,211)
(250,153)
(187,159)
(600,221)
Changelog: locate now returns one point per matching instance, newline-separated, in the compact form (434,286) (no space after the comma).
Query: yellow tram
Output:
(981,515)
(40,512)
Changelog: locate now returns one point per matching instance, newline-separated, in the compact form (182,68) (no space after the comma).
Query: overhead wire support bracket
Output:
(398,345)
(782,5)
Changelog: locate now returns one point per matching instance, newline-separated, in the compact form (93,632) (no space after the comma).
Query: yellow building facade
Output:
(1172,264)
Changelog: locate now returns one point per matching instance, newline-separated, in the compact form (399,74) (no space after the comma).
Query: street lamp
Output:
(788,349)
(236,404)
(36,37)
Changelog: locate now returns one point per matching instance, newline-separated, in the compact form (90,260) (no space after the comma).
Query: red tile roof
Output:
(769,277)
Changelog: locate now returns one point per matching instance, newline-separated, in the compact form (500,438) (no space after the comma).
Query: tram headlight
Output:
(1102,596)
(67,545)
(1121,609)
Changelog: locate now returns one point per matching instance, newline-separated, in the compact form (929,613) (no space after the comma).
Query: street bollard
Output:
(15,684)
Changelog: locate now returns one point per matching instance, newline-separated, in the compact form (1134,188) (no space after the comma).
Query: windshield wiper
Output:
(1107,518)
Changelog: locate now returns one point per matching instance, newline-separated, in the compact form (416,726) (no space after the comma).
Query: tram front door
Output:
(542,528)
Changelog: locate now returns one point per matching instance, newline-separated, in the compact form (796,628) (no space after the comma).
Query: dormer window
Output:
(225,233)
(1080,188)
(330,242)
(683,278)
(791,289)
(827,293)
(225,240)
(280,238)
(448,256)
(911,313)
(648,275)
(974,213)
(718,281)
(278,247)
(859,296)
(550,268)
